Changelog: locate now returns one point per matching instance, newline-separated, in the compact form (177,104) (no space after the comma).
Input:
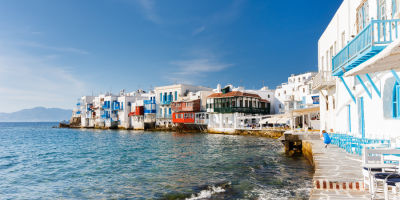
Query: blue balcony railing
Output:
(167,102)
(78,104)
(78,113)
(148,101)
(370,41)
(164,116)
(116,105)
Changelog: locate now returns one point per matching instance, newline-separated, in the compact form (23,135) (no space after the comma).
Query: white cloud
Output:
(33,80)
(148,10)
(190,71)
(68,49)
(201,29)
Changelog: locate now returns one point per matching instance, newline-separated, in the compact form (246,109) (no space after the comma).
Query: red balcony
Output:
(138,111)
(186,106)
(183,117)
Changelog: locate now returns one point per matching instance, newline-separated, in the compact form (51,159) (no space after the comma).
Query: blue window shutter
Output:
(349,108)
(122,105)
(170,111)
(160,96)
(398,98)
(176,95)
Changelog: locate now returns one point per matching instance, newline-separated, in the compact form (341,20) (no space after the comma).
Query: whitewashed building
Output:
(297,94)
(358,63)
(167,94)
(227,104)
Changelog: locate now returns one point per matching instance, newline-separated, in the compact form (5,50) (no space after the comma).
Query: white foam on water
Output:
(206,193)
(281,194)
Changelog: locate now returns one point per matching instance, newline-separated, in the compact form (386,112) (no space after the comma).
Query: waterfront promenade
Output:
(337,173)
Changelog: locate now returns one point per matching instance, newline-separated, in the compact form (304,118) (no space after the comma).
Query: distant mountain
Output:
(38,114)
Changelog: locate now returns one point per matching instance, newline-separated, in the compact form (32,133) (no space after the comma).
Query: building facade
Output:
(226,105)
(165,95)
(359,52)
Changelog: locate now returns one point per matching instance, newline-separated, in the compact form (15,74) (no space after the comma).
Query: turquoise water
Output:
(37,161)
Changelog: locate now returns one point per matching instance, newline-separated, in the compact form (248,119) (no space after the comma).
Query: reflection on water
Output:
(37,161)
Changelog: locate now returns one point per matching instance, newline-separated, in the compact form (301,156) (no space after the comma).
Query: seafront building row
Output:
(188,107)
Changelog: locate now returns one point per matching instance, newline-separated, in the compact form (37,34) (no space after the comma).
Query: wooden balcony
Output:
(370,41)
(323,80)
(242,110)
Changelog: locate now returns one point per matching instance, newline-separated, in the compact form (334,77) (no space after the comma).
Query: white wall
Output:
(377,111)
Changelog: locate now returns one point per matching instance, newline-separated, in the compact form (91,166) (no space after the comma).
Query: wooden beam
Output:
(395,76)
(373,85)
(348,89)
(365,87)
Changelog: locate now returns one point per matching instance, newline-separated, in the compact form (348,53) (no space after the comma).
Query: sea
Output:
(41,162)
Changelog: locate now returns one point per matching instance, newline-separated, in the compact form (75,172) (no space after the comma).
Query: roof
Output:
(234,94)
(263,100)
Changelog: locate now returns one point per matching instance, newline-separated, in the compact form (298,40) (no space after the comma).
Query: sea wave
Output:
(207,193)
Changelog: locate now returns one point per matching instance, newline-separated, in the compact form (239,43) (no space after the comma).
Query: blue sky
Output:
(53,52)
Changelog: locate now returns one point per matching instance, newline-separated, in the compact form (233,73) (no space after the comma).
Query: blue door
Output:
(361,121)
(304,102)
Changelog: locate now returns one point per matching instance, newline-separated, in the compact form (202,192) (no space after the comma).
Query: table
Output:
(376,145)
(372,166)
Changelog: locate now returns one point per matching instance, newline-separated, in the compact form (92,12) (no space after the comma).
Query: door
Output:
(361,121)
(304,102)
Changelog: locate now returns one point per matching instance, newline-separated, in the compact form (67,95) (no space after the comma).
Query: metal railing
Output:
(242,109)
(164,115)
(377,33)
(165,102)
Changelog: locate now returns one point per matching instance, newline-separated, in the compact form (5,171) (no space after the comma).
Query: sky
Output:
(54,52)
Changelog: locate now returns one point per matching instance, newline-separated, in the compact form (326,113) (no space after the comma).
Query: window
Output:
(160,111)
(382,9)
(280,105)
(343,39)
(279,94)
(396,102)
(268,96)
(327,61)
(284,92)
(396,7)
(330,58)
(176,95)
(304,90)
(335,48)
(322,64)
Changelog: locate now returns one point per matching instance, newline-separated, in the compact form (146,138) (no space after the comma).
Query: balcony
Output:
(116,106)
(78,113)
(242,110)
(322,80)
(370,41)
(163,103)
(164,116)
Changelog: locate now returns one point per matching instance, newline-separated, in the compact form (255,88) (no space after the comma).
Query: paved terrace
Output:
(337,173)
